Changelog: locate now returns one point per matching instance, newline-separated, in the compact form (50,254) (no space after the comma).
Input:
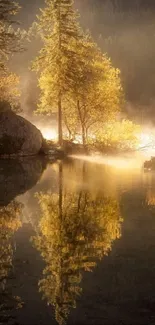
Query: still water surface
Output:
(77,244)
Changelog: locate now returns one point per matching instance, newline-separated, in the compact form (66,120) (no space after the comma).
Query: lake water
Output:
(77,242)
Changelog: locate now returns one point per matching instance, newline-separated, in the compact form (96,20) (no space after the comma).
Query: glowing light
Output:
(49,134)
(78,139)
(145,140)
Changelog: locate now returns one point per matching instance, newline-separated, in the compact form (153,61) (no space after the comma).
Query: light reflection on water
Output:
(83,241)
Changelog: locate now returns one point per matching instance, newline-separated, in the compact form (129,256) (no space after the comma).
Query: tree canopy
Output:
(10,38)
(57,25)
(75,78)
(10,42)
(9,91)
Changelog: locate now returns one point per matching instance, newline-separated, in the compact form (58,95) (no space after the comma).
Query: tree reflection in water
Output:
(76,229)
(9,224)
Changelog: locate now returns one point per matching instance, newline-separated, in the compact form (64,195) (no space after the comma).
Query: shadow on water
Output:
(19,176)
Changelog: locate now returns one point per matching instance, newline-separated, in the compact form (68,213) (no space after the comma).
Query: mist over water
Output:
(126,161)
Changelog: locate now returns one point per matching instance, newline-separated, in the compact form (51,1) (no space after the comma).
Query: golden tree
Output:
(74,76)
(99,96)
(9,91)
(10,42)
(10,39)
(57,25)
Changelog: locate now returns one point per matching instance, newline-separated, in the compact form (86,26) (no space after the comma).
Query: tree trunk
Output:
(60,184)
(60,190)
(83,136)
(82,124)
(87,134)
(60,133)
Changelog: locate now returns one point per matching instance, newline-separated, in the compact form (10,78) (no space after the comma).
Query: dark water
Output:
(77,244)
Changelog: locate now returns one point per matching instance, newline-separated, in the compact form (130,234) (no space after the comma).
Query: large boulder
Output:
(18,136)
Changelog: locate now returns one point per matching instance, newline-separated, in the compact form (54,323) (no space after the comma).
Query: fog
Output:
(126,161)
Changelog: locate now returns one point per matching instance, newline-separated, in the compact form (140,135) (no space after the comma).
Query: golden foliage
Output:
(58,28)
(122,135)
(72,71)
(10,39)
(9,91)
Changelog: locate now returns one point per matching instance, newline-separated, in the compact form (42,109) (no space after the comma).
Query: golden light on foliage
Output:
(9,91)
(11,41)
(75,78)
(118,134)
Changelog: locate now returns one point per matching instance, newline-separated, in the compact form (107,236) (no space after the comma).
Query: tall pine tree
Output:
(56,63)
